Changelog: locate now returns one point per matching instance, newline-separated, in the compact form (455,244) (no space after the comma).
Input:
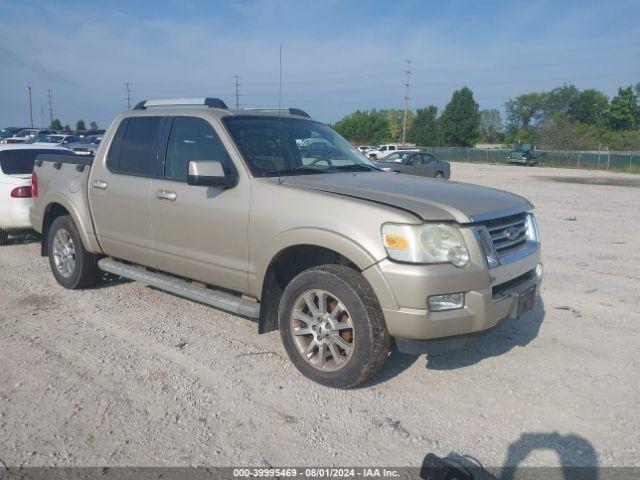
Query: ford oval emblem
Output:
(512,233)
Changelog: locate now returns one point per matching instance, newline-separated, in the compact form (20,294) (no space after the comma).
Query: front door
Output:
(199,232)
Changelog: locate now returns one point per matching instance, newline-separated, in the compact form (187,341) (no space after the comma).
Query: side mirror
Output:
(209,173)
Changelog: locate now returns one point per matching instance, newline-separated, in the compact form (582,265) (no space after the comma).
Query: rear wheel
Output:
(4,237)
(332,327)
(439,175)
(72,266)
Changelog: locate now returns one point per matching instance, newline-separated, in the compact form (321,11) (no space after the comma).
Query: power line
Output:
(237,77)
(406,100)
(30,105)
(50,105)
(128,90)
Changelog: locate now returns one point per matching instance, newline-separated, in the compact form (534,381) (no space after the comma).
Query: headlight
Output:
(428,243)
(532,228)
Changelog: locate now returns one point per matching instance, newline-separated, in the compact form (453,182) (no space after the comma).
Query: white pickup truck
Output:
(230,208)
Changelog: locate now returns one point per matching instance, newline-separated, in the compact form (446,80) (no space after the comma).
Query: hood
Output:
(430,199)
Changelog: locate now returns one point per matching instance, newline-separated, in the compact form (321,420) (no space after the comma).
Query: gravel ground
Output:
(122,374)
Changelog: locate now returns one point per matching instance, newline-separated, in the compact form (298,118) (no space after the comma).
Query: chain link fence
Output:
(603,160)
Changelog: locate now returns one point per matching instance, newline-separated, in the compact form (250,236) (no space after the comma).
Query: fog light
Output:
(449,301)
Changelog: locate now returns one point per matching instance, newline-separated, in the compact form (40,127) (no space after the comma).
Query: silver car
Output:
(415,162)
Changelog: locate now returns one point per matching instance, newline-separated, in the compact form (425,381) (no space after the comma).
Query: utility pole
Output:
(50,106)
(128,90)
(406,100)
(42,112)
(237,92)
(30,105)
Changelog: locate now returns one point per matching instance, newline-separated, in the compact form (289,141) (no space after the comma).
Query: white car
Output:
(16,166)
(381,151)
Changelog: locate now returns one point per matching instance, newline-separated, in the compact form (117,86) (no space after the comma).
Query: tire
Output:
(438,175)
(72,266)
(354,342)
(4,237)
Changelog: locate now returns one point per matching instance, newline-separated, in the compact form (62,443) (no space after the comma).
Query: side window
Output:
(132,148)
(430,159)
(392,147)
(417,160)
(192,138)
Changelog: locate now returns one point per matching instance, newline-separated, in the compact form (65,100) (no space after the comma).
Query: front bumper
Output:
(491,295)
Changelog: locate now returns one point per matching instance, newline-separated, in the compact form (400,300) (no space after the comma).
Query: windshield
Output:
(523,147)
(274,146)
(7,132)
(92,139)
(26,132)
(50,138)
(395,158)
(20,161)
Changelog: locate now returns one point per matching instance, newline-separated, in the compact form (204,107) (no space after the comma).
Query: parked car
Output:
(414,162)
(364,148)
(86,146)
(16,166)
(26,134)
(523,154)
(381,151)
(336,254)
(9,132)
(53,139)
(86,133)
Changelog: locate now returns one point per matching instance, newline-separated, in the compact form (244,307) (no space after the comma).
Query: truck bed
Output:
(63,183)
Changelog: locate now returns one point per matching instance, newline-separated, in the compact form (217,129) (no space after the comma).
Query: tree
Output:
(80,125)
(67,128)
(370,127)
(93,126)
(56,124)
(524,109)
(460,121)
(590,107)
(559,100)
(490,126)
(624,113)
(424,129)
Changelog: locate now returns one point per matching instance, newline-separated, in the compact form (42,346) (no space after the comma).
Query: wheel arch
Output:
(57,207)
(294,252)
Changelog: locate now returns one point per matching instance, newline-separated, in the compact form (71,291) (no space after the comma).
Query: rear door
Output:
(199,232)
(119,190)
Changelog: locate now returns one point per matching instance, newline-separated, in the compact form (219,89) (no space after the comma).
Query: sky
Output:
(337,55)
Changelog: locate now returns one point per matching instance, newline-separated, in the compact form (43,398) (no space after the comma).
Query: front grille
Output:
(508,233)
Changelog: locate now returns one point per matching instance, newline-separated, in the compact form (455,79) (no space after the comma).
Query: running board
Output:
(183,288)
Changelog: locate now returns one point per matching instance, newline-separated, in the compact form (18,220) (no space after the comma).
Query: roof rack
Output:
(290,111)
(209,102)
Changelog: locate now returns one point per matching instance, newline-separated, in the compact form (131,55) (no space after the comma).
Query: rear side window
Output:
(132,151)
(192,138)
(20,162)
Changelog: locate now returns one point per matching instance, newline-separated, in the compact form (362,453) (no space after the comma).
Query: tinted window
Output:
(190,139)
(20,162)
(417,160)
(135,154)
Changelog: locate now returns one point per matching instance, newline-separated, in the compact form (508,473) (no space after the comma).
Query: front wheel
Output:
(332,327)
(72,266)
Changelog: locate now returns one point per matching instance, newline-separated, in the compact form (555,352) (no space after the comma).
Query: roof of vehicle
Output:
(211,106)
(26,146)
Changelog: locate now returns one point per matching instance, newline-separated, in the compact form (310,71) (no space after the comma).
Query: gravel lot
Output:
(122,374)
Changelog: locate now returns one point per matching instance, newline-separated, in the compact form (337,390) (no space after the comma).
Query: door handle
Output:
(166,195)
(101,184)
